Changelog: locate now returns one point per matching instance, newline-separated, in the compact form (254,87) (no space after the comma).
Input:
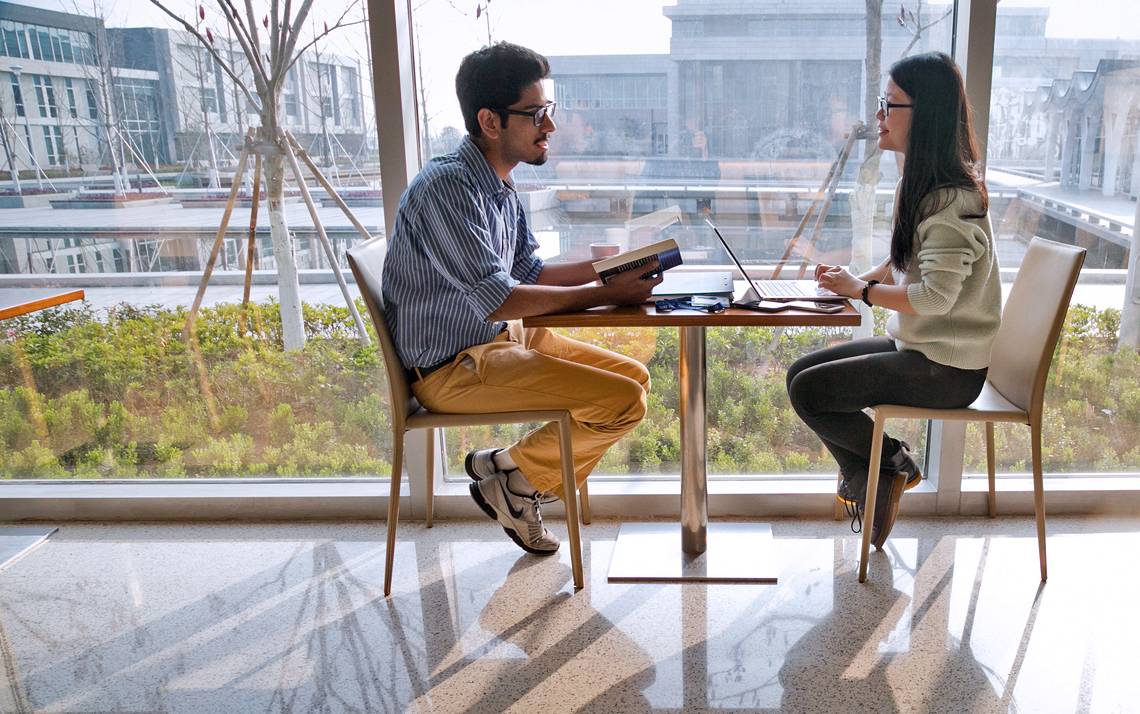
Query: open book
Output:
(665,251)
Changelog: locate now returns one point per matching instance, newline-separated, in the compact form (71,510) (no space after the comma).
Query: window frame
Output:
(395,97)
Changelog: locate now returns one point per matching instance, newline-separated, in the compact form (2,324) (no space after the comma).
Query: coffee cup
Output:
(604,250)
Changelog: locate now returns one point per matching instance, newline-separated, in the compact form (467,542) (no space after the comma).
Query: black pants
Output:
(830,388)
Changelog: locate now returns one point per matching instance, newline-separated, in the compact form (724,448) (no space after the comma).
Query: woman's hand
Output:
(841,282)
(824,268)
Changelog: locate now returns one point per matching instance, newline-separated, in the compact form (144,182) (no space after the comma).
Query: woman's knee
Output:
(797,368)
(804,392)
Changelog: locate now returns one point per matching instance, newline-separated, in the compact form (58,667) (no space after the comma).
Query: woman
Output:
(941,281)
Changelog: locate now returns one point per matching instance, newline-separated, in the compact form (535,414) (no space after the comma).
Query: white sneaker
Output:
(520,516)
(481,464)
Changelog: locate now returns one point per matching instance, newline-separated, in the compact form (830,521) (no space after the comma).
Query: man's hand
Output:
(629,288)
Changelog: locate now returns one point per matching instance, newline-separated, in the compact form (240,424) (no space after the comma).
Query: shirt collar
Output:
(485,175)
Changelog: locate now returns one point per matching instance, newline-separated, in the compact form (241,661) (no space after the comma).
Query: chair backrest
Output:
(1031,322)
(367,263)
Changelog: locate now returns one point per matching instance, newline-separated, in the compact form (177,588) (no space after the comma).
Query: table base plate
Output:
(736,553)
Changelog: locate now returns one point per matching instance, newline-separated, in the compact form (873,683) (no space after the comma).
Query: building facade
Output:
(321,102)
(55,90)
(72,91)
(769,80)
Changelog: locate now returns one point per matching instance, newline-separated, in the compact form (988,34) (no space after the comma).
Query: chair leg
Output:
(1039,496)
(872,493)
(991,469)
(393,509)
(571,503)
(429,509)
(584,503)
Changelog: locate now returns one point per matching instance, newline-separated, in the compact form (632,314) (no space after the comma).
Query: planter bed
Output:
(110,200)
(243,200)
(31,199)
(354,199)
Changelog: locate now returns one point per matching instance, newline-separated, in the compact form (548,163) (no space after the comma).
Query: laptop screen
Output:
(740,267)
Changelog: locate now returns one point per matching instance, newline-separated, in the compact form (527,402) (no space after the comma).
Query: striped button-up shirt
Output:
(459,246)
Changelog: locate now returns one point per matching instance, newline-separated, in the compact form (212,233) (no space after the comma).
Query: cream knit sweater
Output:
(954,287)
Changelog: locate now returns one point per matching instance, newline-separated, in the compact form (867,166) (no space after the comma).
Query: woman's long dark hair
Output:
(941,149)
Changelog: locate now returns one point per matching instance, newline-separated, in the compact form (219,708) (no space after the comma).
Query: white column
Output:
(1054,121)
(1068,144)
(1134,189)
(1113,141)
(1130,313)
(1089,125)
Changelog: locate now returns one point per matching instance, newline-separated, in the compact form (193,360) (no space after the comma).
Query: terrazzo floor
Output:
(290,618)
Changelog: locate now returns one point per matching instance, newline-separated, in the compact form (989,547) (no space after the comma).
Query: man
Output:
(461,262)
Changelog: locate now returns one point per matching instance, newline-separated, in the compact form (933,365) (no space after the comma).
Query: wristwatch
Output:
(867,287)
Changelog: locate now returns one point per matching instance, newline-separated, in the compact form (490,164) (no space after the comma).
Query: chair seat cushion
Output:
(989,406)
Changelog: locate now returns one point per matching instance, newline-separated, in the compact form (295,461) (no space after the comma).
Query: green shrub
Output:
(121,395)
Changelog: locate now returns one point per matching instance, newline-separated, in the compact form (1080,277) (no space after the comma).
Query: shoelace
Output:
(856,514)
(535,527)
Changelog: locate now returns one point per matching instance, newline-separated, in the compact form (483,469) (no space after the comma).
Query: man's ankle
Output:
(518,484)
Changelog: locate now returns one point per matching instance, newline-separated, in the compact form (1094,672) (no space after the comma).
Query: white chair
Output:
(367,262)
(1015,385)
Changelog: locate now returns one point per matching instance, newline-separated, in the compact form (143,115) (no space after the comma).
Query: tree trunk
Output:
(288,287)
(12,168)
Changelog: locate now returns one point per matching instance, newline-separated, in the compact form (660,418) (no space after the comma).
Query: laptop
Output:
(675,283)
(678,285)
(778,290)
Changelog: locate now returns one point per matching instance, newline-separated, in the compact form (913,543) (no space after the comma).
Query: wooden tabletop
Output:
(38,302)
(644,316)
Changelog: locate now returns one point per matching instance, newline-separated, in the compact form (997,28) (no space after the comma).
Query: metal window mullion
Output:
(397,124)
(974,30)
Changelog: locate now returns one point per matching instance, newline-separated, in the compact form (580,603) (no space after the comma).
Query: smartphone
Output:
(827,308)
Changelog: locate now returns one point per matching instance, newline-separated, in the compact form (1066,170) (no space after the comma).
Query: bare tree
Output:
(270,47)
(200,106)
(102,80)
(8,142)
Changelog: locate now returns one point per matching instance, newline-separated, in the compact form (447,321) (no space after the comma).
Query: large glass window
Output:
(712,110)
(117,386)
(53,142)
(45,96)
(17,95)
(1064,164)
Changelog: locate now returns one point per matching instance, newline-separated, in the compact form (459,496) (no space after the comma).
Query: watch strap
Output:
(867,287)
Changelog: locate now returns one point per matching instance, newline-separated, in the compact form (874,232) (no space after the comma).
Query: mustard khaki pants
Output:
(534,368)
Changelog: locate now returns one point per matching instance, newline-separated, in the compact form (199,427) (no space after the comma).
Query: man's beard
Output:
(540,160)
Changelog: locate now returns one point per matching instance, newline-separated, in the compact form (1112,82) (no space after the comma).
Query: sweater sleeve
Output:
(946,256)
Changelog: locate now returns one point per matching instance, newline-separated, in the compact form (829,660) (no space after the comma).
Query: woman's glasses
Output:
(885,107)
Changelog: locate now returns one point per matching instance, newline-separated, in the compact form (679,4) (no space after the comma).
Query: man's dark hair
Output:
(494,78)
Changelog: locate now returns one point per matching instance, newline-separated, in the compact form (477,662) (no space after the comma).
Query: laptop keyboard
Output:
(781,288)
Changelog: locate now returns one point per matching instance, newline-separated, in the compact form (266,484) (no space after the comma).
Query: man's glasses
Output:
(885,107)
(538,116)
